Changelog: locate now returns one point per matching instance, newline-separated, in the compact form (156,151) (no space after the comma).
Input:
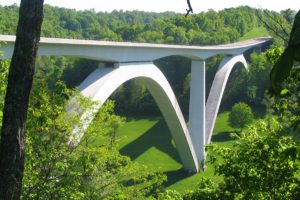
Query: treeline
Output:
(95,170)
(205,28)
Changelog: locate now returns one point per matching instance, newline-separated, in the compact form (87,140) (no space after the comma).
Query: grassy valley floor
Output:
(148,141)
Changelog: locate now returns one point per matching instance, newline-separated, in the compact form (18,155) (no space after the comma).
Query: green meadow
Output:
(254,33)
(148,141)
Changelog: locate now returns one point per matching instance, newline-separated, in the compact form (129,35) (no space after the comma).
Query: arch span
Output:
(104,81)
(217,90)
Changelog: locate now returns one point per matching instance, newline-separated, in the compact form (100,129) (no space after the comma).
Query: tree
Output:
(264,160)
(262,164)
(17,96)
(207,190)
(170,195)
(286,61)
(240,116)
(285,79)
(277,25)
(56,170)
(3,82)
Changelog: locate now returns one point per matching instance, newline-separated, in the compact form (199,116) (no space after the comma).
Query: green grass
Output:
(148,141)
(254,33)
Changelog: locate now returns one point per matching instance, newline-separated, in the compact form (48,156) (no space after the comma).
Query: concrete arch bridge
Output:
(135,61)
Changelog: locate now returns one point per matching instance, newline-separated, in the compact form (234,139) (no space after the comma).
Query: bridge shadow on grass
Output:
(222,137)
(158,136)
(175,176)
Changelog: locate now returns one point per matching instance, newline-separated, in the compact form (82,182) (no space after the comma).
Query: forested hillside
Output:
(95,170)
(205,28)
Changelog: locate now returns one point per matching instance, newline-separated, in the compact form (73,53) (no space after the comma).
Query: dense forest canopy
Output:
(56,170)
(205,28)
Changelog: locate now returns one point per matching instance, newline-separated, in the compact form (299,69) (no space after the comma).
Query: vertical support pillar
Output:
(197,109)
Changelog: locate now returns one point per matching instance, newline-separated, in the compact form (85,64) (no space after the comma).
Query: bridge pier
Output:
(197,109)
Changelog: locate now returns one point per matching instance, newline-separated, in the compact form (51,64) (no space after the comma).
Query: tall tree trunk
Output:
(17,97)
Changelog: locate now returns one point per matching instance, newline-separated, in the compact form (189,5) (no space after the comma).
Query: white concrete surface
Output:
(128,51)
(104,81)
(217,90)
(197,108)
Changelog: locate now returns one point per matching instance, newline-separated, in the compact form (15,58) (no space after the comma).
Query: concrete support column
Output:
(197,109)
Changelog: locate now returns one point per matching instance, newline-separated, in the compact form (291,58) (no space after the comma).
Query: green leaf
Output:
(284,92)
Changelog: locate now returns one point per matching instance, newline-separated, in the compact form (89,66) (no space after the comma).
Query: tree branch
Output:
(279,24)
(190,9)
(274,30)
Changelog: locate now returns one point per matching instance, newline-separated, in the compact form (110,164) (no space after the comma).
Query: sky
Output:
(166,5)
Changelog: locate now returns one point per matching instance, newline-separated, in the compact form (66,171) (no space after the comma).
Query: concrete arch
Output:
(217,90)
(100,84)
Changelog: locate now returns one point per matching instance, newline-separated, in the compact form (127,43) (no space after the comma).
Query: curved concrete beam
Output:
(129,51)
(217,90)
(104,81)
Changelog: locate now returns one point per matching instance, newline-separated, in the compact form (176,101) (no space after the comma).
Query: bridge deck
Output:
(46,40)
(132,51)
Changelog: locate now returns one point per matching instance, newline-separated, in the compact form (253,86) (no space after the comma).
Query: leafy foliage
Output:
(57,170)
(205,28)
(261,165)
(286,104)
(273,54)
(240,116)
(170,195)
(284,64)
(3,81)
(207,190)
